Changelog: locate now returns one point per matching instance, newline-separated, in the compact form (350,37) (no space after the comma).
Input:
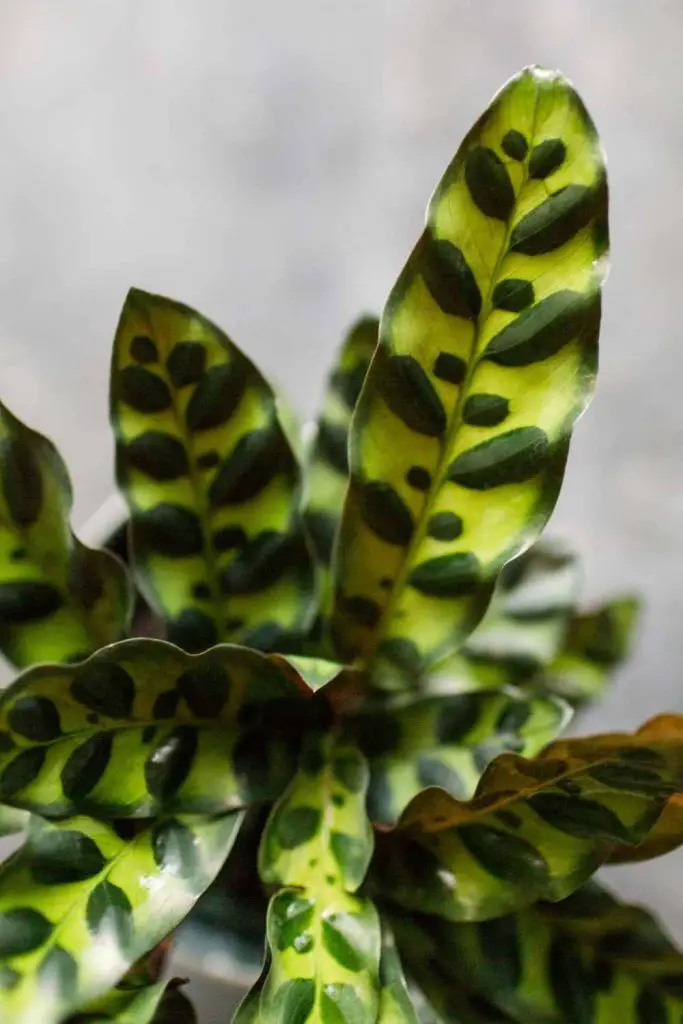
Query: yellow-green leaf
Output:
(80,902)
(535,829)
(141,727)
(327,470)
(586,958)
(447,741)
(487,355)
(596,644)
(59,600)
(211,481)
(395,1005)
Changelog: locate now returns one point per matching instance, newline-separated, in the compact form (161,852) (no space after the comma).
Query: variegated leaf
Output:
(327,470)
(157,1003)
(586,958)
(324,940)
(596,644)
(395,1004)
(142,727)
(59,600)
(80,902)
(487,356)
(447,742)
(535,829)
(212,483)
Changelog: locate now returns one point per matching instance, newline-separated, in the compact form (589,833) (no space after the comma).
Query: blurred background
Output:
(269,163)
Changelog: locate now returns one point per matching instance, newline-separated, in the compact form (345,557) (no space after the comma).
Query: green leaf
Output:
(142,727)
(487,356)
(211,481)
(319,826)
(395,1004)
(124,1006)
(587,958)
(535,829)
(324,941)
(527,620)
(447,742)
(327,470)
(79,903)
(597,643)
(59,600)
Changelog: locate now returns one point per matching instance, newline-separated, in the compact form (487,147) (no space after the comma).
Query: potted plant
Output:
(352,722)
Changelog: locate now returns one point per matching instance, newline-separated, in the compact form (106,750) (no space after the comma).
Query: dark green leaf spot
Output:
(255,460)
(205,689)
(515,145)
(448,277)
(109,911)
(385,512)
(349,771)
(555,221)
(22,930)
(338,933)
(217,396)
(362,610)
(447,575)
(489,183)
(86,766)
(419,478)
(143,349)
(513,294)
(331,444)
(352,854)
(581,818)
(105,688)
(170,763)
(445,526)
(410,395)
(21,771)
(341,1004)
(169,530)
(28,601)
(62,856)
(546,158)
(509,458)
(157,455)
(544,329)
(505,856)
(450,368)
(186,363)
(485,410)
(294,1001)
(143,391)
(297,825)
(36,718)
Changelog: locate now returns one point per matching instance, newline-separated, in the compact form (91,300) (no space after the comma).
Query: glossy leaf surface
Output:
(79,904)
(141,727)
(327,474)
(448,742)
(535,829)
(210,478)
(587,958)
(395,1004)
(324,940)
(487,355)
(597,643)
(59,600)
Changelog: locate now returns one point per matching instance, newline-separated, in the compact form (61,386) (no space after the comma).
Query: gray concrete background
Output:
(269,163)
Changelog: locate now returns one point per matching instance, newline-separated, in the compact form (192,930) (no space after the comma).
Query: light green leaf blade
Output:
(447,742)
(79,904)
(211,481)
(59,600)
(320,824)
(597,643)
(487,356)
(535,829)
(123,1006)
(327,469)
(12,820)
(325,948)
(141,727)
(588,957)
(324,940)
